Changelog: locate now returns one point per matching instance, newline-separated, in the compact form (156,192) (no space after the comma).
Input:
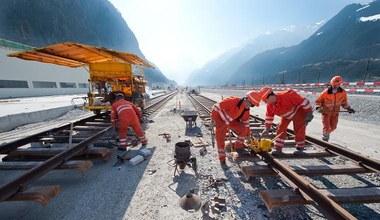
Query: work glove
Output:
(319,109)
(350,110)
(309,117)
(266,131)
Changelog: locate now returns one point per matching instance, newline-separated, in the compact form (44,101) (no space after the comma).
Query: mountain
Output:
(347,45)
(96,22)
(222,68)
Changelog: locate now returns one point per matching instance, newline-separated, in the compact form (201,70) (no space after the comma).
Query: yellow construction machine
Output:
(139,88)
(261,144)
(110,71)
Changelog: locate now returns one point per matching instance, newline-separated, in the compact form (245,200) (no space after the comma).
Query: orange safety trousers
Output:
(299,127)
(330,123)
(221,130)
(128,117)
(132,122)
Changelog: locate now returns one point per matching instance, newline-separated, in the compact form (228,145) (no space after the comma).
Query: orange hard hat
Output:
(336,81)
(264,92)
(253,97)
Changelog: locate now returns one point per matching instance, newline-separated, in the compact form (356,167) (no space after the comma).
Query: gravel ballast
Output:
(149,190)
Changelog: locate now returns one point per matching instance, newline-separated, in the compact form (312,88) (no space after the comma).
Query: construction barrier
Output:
(315,88)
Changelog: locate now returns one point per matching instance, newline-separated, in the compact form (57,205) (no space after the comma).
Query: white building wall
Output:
(17,69)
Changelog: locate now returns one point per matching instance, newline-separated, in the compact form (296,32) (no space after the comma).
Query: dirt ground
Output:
(151,189)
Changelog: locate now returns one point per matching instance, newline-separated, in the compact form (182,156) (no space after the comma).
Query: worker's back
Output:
(124,109)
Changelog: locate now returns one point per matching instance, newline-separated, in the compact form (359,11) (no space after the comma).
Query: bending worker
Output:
(128,115)
(233,112)
(329,103)
(291,107)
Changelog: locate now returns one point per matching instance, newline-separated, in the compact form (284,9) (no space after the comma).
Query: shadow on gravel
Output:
(361,211)
(184,183)
(323,180)
(104,192)
(192,132)
(121,192)
(363,180)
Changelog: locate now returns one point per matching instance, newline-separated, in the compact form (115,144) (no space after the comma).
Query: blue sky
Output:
(180,36)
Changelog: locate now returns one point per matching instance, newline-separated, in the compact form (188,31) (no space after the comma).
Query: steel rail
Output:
(200,104)
(364,161)
(326,205)
(162,99)
(19,184)
(22,181)
(159,102)
(7,147)
(360,159)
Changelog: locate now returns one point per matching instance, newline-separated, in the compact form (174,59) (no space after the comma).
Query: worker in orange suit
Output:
(233,112)
(128,116)
(291,107)
(328,103)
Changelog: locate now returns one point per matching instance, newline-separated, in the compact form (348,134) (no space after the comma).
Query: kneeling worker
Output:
(128,115)
(233,112)
(291,107)
(328,103)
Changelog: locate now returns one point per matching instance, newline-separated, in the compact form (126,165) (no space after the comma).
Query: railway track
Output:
(68,146)
(298,174)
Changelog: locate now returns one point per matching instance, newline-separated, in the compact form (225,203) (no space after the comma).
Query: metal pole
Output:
(71,135)
(283,76)
(366,70)
(299,78)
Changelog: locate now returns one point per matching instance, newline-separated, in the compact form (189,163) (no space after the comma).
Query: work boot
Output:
(242,150)
(326,137)
(277,152)
(300,150)
(227,149)
(122,148)
(143,146)
(223,164)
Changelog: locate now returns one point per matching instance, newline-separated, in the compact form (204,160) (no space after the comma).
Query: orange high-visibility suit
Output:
(229,114)
(330,103)
(128,115)
(290,106)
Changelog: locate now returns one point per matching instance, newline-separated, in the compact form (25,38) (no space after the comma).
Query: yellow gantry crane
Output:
(109,70)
